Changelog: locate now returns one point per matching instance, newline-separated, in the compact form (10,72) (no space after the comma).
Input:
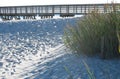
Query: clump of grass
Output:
(95,34)
(68,71)
(90,73)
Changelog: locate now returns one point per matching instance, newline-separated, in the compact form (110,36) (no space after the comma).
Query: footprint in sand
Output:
(1,64)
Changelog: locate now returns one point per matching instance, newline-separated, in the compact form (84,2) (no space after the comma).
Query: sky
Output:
(50,2)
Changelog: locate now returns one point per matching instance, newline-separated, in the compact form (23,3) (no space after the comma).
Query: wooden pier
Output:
(48,11)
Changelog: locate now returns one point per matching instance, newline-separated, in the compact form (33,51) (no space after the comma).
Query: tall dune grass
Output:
(95,34)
